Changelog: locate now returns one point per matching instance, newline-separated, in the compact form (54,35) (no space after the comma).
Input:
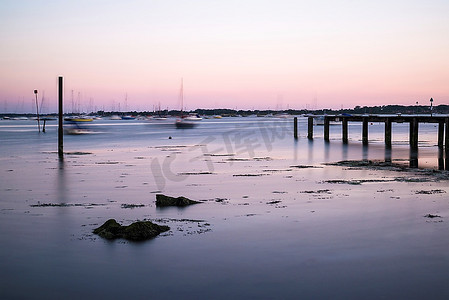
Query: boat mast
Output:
(181,96)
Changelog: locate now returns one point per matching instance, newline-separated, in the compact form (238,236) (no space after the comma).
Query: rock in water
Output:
(109,230)
(137,231)
(162,200)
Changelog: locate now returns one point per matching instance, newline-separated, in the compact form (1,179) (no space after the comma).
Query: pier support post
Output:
(344,129)
(440,134)
(61,117)
(388,133)
(365,131)
(310,128)
(295,127)
(414,133)
(446,143)
(440,158)
(326,129)
(446,139)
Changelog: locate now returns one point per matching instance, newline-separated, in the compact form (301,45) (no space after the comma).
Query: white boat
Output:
(319,120)
(190,120)
(77,131)
(193,117)
(78,119)
(282,116)
(76,128)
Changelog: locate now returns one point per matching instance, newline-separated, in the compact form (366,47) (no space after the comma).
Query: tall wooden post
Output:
(37,112)
(61,118)
(388,133)
(326,128)
(365,131)
(310,128)
(344,129)
(295,127)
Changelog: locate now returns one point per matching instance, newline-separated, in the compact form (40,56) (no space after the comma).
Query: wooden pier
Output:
(413,120)
(442,121)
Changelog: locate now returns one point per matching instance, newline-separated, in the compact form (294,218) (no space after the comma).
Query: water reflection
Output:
(441,159)
(326,150)
(447,158)
(77,127)
(365,152)
(387,154)
(345,151)
(295,150)
(310,149)
(413,158)
(61,182)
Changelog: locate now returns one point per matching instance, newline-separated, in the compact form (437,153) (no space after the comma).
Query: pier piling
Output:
(344,129)
(326,128)
(310,128)
(388,133)
(365,131)
(414,133)
(440,134)
(446,143)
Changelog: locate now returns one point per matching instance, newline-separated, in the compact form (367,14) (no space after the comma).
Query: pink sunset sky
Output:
(230,54)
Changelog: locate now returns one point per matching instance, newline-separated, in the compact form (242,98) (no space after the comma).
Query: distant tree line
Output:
(384,109)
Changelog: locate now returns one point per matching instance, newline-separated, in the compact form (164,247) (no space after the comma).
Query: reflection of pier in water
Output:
(413,120)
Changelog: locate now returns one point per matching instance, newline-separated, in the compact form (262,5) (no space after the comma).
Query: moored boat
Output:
(78,119)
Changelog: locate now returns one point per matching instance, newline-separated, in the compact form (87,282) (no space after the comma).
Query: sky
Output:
(238,54)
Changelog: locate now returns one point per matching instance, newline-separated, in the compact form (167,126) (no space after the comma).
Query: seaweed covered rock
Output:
(163,200)
(137,231)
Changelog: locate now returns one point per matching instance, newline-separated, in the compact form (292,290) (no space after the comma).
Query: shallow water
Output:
(267,228)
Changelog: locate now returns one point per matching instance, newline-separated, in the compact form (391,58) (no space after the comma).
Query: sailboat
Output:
(158,116)
(189,121)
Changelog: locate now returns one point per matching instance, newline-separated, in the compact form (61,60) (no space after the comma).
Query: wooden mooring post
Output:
(295,127)
(61,117)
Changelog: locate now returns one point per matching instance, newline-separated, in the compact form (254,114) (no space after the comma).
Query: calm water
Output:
(266,229)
